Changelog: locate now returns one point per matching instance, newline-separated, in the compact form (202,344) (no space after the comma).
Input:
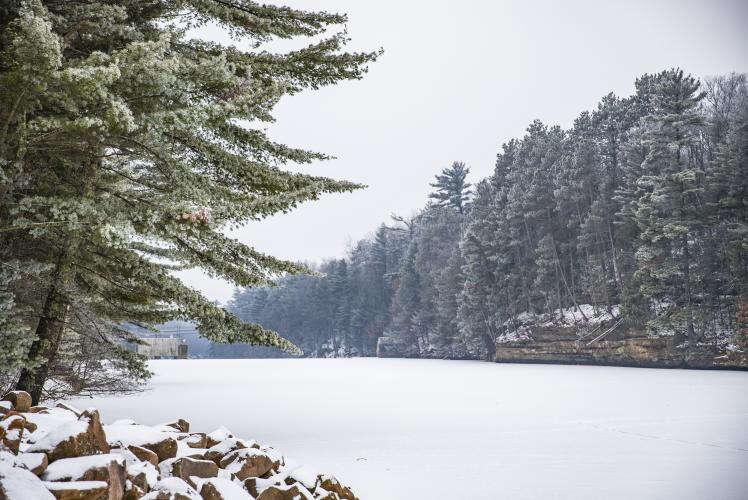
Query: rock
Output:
(181,425)
(21,400)
(16,483)
(220,450)
(331,484)
(172,488)
(67,407)
(79,490)
(247,462)
(34,462)
(161,443)
(109,468)
(185,468)
(285,492)
(164,449)
(134,492)
(144,454)
(222,489)
(218,435)
(142,474)
(38,409)
(11,432)
(195,440)
(74,438)
(5,407)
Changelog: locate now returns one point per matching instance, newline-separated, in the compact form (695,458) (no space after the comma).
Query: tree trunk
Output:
(56,306)
(50,328)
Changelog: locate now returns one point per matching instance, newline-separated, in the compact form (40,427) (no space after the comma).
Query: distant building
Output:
(162,348)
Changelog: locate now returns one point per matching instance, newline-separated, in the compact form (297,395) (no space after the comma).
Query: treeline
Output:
(636,214)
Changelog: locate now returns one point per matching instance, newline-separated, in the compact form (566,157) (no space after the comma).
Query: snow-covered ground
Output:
(425,429)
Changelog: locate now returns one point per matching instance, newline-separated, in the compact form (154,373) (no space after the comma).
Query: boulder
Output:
(144,454)
(164,449)
(222,489)
(142,474)
(69,408)
(186,468)
(134,492)
(11,432)
(172,488)
(74,438)
(218,435)
(285,492)
(5,407)
(38,409)
(181,425)
(109,468)
(247,462)
(79,490)
(220,450)
(195,440)
(17,483)
(331,484)
(34,462)
(21,400)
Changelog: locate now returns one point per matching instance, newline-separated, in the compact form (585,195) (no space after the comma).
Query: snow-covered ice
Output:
(409,429)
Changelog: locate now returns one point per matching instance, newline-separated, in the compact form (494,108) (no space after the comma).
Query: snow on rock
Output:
(216,452)
(93,490)
(17,483)
(172,488)
(20,400)
(34,462)
(158,441)
(223,489)
(70,455)
(73,438)
(73,469)
(12,427)
(218,435)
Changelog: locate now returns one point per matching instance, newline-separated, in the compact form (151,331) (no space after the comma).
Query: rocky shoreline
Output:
(64,453)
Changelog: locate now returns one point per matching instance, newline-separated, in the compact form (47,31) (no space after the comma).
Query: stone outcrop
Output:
(69,455)
(621,347)
(579,344)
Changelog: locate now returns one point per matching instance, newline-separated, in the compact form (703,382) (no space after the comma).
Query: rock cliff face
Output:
(622,348)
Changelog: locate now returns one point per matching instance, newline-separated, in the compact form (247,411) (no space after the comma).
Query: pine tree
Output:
(451,187)
(123,158)
(669,203)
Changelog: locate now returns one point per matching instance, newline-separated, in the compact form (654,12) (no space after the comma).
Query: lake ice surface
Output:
(397,429)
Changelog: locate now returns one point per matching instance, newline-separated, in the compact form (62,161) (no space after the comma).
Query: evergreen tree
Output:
(668,206)
(123,158)
(451,187)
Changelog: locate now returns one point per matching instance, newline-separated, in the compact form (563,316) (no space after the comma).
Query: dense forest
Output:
(637,214)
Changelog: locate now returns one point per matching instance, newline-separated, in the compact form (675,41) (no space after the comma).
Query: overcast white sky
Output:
(458,79)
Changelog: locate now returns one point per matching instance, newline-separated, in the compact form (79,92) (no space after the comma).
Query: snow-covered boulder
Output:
(158,441)
(21,400)
(109,468)
(285,492)
(79,490)
(247,462)
(17,483)
(11,431)
(172,488)
(220,450)
(187,468)
(223,489)
(34,462)
(74,438)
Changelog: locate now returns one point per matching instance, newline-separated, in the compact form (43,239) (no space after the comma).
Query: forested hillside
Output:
(635,217)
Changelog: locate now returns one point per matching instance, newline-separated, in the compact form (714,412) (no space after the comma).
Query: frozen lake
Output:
(451,430)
